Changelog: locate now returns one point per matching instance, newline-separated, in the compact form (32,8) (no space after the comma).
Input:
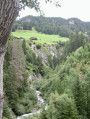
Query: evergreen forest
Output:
(45,80)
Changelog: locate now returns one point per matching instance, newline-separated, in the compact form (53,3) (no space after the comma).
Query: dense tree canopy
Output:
(8,12)
(66,89)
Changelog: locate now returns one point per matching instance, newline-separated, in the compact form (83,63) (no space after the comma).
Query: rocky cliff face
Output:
(47,50)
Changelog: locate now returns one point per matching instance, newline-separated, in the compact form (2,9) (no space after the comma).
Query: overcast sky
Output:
(69,8)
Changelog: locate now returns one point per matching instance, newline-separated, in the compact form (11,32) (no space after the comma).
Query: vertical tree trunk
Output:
(8,12)
(1,83)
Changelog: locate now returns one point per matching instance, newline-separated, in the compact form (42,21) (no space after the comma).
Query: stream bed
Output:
(40,101)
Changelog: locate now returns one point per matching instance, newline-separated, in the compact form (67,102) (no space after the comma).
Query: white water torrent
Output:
(39,102)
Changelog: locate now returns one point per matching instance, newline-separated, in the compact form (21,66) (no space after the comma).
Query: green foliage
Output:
(87,90)
(7,58)
(76,41)
(11,37)
(38,66)
(50,61)
(30,3)
(53,61)
(57,46)
(35,4)
(38,46)
(65,86)
(6,112)
(17,90)
(26,103)
(61,107)
(24,46)
(82,68)
(66,89)
(80,97)
(10,86)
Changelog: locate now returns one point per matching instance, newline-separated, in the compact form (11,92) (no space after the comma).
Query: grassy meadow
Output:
(42,38)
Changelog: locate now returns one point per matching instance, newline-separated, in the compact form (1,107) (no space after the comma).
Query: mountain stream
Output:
(39,102)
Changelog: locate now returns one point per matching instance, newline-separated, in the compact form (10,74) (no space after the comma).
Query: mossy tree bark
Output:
(8,12)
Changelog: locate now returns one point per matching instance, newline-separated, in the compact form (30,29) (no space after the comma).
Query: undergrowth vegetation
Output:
(67,88)
(18,94)
(65,83)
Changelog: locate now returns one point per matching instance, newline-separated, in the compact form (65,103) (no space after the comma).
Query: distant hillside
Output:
(52,25)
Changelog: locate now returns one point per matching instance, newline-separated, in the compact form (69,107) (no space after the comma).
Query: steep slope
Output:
(18,57)
(46,50)
(65,85)
(24,63)
(66,89)
(19,97)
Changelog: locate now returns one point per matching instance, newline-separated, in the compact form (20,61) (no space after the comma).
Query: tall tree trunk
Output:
(1,83)
(8,12)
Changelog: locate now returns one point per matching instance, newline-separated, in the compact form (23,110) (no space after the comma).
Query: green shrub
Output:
(24,46)
(61,107)
(38,46)
(83,69)
(57,47)
(30,44)
(6,113)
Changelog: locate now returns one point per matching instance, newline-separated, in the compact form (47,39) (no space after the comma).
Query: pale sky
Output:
(69,8)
